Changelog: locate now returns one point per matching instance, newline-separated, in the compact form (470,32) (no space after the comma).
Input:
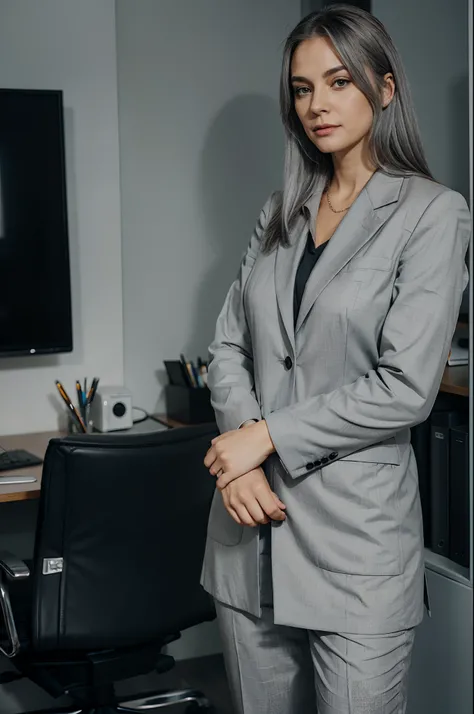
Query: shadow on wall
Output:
(459,135)
(241,164)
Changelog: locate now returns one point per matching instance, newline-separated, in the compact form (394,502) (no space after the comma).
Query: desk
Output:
(456,380)
(37,445)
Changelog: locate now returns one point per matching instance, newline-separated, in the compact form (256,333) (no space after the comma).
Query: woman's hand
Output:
(250,500)
(237,452)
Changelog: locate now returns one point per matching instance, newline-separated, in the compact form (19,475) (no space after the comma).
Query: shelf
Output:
(447,567)
(456,380)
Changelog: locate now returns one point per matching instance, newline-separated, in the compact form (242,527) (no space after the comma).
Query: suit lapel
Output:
(359,225)
(371,209)
(286,265)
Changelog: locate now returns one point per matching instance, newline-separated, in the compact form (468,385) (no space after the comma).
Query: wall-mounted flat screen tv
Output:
(35,286)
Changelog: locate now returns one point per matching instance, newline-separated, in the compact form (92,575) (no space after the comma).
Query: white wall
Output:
(70,45)
(201,149)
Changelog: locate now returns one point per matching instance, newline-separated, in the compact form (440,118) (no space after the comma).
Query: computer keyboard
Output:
(18,459)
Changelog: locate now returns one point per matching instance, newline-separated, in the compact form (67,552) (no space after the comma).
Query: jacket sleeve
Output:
(230,369)
(416,337)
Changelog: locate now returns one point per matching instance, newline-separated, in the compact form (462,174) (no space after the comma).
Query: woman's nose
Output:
(318,101)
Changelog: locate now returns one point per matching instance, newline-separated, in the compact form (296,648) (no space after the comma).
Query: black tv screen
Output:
(35,286)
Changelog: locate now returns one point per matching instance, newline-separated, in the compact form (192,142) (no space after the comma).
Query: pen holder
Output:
(189,405)
(74,428)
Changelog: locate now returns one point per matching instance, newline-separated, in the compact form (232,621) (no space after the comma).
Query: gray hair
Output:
(394,142)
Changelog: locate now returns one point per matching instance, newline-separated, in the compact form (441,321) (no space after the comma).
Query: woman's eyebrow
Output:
(327,73)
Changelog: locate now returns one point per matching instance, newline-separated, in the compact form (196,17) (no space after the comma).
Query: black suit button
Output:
(310,466)
(324,460)
(333,455)
(288,363)
(317,463)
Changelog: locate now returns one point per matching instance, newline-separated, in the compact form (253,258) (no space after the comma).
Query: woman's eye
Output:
(300,91)
(346,81)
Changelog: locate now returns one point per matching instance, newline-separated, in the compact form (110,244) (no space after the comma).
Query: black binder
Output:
(459,496)
(441,423)
(420,441)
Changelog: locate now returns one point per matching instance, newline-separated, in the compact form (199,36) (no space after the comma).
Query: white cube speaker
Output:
(111,409)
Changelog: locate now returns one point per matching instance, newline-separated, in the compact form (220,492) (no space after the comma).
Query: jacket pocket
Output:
(359,516)
(222,527)
(385,452)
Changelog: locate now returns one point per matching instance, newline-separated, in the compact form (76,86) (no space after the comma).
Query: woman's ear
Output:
(388,89)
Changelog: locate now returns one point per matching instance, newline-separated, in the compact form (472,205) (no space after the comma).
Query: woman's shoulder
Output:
(420,193)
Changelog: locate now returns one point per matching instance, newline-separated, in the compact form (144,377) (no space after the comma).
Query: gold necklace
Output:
(330,204)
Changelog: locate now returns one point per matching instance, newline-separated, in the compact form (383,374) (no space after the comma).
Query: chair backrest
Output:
(127,514)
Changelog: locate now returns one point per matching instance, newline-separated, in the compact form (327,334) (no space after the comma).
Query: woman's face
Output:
(324,93)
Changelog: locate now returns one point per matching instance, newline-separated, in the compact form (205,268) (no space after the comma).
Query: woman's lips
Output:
(327,130)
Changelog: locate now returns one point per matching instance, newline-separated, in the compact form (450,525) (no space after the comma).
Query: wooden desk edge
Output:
(16,496)
(455,380)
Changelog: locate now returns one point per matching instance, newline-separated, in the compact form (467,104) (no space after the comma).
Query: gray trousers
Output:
(275,669)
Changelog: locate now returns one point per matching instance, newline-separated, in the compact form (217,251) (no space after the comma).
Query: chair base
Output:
(196,701)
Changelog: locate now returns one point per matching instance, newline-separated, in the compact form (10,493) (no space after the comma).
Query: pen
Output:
(197,379)
(70,405)
(92,390)
(189,371)
(80,402)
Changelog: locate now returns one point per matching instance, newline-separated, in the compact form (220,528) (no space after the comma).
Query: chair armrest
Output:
(15,569)
(13,566)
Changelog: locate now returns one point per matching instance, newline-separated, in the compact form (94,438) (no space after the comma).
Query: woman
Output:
(331,344)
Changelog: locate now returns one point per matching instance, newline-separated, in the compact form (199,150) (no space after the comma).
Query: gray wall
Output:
(432,37)
(69,45)
(200,151)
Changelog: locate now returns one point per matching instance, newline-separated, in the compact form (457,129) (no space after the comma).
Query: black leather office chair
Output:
(115,575)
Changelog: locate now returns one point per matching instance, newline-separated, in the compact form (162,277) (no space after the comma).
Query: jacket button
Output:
(288,363)
(333,455)
(324,460)
(310,466)
(317,463)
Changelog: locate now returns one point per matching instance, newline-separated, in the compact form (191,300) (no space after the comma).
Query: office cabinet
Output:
(441,673)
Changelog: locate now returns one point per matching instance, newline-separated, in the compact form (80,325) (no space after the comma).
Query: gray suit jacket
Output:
(367,357)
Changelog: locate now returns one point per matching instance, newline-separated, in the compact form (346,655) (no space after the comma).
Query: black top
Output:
(307,263)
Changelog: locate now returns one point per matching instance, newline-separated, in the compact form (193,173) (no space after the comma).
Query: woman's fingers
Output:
(256,511)
(250,500)
(246,506)
(278,502)
(231,511)
(238,510)
(270,506)
(245,516)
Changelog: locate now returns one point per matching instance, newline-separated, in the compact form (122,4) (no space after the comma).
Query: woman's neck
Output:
(350,175)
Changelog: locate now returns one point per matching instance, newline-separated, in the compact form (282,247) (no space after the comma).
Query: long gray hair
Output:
(394,140)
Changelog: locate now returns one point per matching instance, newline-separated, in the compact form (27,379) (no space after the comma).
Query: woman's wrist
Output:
(264,437)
